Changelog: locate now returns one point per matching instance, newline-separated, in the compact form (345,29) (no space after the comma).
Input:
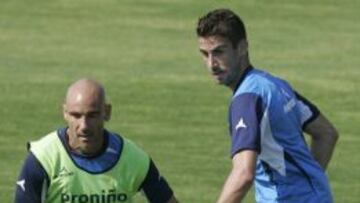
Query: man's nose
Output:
(212,62)
(84,123)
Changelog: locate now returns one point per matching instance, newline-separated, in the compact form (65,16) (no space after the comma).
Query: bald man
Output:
(84,162)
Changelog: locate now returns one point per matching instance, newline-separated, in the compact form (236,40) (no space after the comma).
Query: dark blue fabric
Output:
(102,162)
(34,176)
(155,187)
(245,116)
(246,71)
(315,111)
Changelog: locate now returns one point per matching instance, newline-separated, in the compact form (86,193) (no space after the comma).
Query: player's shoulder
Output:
(260,82)
(126,144)
(259,78)
(44,141)
(256,81)
(48,137)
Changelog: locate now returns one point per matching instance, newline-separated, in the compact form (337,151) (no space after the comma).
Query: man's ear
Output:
(64,112)
(107,115)
(242,47)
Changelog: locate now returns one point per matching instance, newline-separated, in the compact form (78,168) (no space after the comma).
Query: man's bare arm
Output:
(323,139)
(240,178)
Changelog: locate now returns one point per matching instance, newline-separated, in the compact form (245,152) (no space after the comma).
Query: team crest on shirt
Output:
(240,124)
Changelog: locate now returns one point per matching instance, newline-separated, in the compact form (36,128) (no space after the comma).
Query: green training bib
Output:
(69,183)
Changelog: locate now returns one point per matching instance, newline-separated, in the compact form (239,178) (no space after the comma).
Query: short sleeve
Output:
(245,115)
(32,181)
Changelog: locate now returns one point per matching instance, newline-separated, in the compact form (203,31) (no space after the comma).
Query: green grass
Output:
(145,53)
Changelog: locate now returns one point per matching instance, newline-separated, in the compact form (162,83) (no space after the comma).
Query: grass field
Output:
(146,55)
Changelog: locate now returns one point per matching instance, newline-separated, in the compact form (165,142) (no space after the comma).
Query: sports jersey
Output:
(268,116)
(54,173)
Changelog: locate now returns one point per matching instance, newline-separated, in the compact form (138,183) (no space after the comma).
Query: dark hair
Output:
(224,23)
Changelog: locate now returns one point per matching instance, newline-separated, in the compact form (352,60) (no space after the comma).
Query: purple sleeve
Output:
(308,111)
(155,187)
(244,118)
(31,181)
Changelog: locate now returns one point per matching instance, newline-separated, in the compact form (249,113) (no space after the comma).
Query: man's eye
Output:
(204,53)
(218,52)
(76,115)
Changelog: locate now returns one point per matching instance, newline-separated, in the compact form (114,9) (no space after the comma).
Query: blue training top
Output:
(268,116)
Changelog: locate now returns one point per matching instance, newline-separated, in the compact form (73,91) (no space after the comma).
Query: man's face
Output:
(85,116)
(222,59)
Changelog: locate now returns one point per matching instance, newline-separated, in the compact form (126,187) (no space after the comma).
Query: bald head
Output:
(85,90)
